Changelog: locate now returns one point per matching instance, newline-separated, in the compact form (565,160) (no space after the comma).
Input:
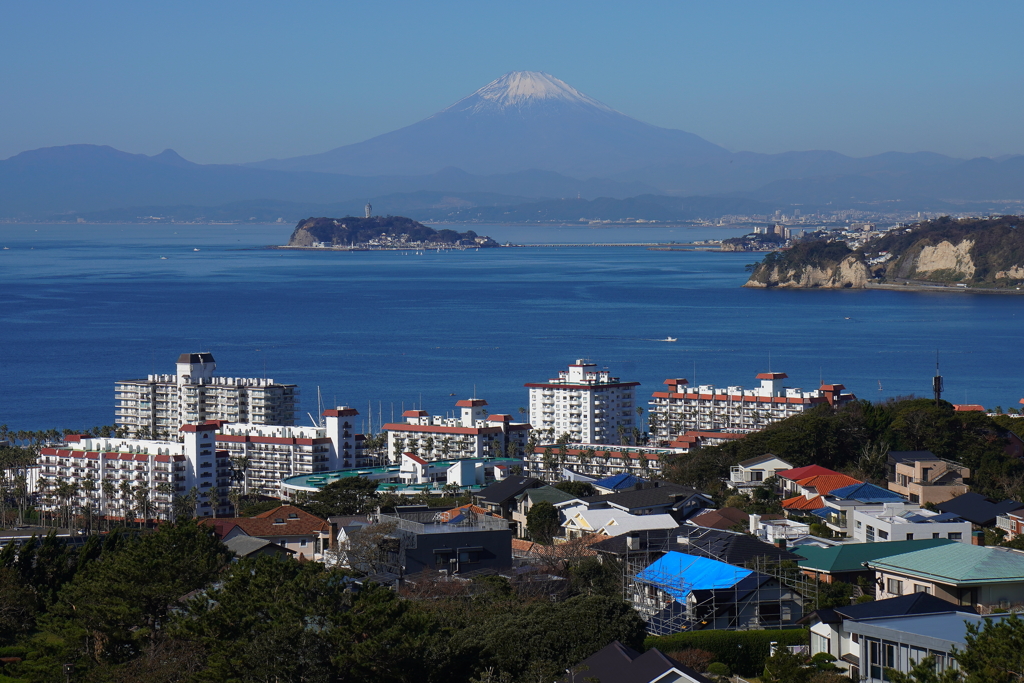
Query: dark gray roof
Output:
(243,545)
(911,456)
(657,493)
(617,663)
(978,509)
(505,490)
(196,358)
(912,603)
(725,546)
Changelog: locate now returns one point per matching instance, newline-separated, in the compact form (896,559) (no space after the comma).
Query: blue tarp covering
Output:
(678,574)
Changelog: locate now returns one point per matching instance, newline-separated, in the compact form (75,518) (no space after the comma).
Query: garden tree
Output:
(924,672)
(590,576)
(873,464)
(542,522)
(512,449)
(254,624)
(367,549)
(580,489)
(348,496)
(563,447)
(497,450)
(116,605)
(549,460)
(18,608)
(994,653)
(835,594)
(785,666)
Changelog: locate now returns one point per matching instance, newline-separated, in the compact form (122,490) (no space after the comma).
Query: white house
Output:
(579,521)
(751,473)
(905,522)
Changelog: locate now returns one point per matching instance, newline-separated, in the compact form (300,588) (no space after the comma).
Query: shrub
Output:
(719,669)
(694,657)
(744,652)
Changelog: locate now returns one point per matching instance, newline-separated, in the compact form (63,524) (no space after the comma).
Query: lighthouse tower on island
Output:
(369,210)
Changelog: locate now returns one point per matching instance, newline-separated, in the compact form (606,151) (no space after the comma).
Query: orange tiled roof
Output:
(826,483)
(803,503)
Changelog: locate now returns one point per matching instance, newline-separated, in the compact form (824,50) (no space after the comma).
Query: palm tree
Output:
(399,445)
(126,499)
(428,447)
(143,502)
(240,470)
(109,490)
(235,496)
(214,497)
(88,486)
(166,489)
(446,447)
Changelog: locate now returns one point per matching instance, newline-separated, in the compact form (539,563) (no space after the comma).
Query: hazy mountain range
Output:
(526,136)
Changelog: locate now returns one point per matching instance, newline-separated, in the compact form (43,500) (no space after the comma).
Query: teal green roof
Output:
(321,479)
(549,494)
(849,557)
(958,563)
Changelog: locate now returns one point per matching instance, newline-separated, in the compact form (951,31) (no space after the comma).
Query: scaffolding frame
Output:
(751,603)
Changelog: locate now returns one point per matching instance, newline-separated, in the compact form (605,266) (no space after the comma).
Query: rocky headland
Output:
(986,253)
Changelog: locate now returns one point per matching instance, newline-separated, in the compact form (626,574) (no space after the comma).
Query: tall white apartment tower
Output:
(588,404)
(159,405)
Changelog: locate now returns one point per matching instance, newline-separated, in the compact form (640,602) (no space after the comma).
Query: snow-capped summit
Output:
(524,88)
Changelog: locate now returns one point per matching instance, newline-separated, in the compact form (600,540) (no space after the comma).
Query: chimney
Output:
(977,538)
(780,543)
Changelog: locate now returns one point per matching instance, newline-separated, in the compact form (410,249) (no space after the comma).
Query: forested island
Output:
(977,253)
(380,232)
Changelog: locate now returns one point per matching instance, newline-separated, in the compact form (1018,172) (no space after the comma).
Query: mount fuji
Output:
(524,120)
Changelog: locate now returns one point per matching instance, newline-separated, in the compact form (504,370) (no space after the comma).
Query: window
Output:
(303,543)
(757,475)
(469,556)
(870,535)
(935,535)
(910,537)
(954,535)
(883,534)
(894,586)
(919,588)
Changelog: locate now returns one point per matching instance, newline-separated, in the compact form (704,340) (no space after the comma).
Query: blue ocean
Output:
(84,305)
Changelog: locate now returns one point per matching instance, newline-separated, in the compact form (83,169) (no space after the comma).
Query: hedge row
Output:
(744,651)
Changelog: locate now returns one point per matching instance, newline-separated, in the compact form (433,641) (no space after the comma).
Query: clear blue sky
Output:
(226,82)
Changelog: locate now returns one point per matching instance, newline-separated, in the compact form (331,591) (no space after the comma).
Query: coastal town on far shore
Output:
(588,470)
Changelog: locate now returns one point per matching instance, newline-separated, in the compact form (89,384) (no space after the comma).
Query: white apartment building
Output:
(682,408)
(158,405)
(164,470)
(473,434)
(588,404)
(907,522)
(271,453)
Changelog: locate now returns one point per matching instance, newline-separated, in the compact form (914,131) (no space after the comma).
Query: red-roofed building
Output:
(681,408)
(474,434)
(287,526)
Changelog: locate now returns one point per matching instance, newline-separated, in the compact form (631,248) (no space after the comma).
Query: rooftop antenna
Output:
(937,380)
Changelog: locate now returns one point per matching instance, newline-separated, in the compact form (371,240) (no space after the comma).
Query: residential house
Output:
(788,479)
(617,663)
(655,497)
(840,504)
(617,483)
(829,632)
(724,518)
(1012,523)
(751,473)
(778,530)
(248,546)
(680,592)
(642,548)
(455,541)
(845,562)
(530,497)
(977,509)
(287,526)
(581,521)
(985,578)
(900,642)
(922,477)
(500,497)
(811,490)
(904,522)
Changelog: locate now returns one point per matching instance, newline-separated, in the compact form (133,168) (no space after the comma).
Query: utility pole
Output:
(937,380)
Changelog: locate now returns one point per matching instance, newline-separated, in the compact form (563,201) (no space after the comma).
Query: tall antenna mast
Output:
(937,380)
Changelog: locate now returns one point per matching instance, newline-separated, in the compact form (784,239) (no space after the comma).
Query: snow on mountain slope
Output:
(519,89)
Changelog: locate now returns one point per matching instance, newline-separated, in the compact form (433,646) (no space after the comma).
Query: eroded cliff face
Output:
(849,273)
(952,259)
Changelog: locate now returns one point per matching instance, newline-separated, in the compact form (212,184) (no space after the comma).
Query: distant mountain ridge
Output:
(525,136)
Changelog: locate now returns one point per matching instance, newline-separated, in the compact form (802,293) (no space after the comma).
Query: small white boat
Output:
(196,249)
(163,258)
(668,339)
